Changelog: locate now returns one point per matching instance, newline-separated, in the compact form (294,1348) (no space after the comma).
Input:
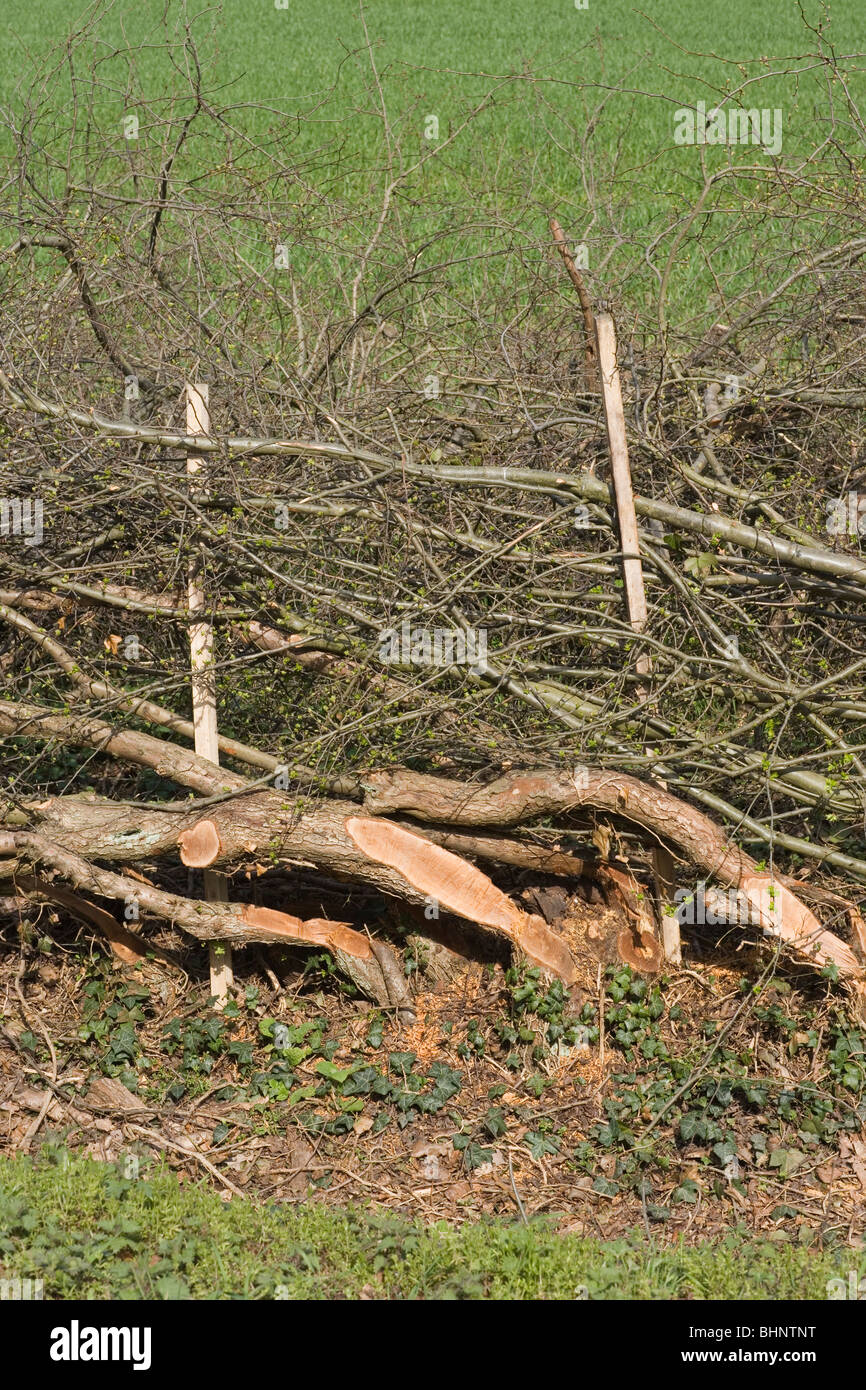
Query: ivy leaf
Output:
(474,1155)
(242,1051)
(360,1082)
(605,1187)
(494,1121)
(332,1073)
(541,1144)
(692,1124)
(699,566)
(302,1093)
(787,1161)
(402,1062)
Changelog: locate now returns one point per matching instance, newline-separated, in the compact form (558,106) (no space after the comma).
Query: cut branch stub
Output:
(372,966)
(373,970)
(200,845)
(637,943)
(461,888)
(315,932)
(640,950)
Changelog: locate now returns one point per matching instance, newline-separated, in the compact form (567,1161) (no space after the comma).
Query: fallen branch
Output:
(240,924)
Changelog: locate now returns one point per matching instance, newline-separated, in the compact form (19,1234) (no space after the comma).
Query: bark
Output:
(813,559)
(169,760)
(520,854)
(239,924)
(368,846)
(522,796)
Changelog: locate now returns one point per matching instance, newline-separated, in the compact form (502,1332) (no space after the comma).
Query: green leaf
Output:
(541,1144)
(494,1121)
(332,1073)
(402,1062)
(360,1082)
(701,565)
(787,1161)
(605,1187)
(242,1051)
(302,1093)
(474,1155)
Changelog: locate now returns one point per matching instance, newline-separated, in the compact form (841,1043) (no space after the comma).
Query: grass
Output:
(89,1232)
(290,58)
(523,156)
(310,61)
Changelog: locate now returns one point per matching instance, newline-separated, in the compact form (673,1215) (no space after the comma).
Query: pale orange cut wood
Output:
(204,709)
(782,914)
(338,936)
(200,845)
(637,944)
(125,945)
(664,871)
(590,348)
(460,887)
(641,950)
(858,931)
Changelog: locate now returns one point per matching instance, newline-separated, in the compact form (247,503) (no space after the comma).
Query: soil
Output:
(530,1118)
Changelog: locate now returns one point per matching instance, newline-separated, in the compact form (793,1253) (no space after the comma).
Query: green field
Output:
(439,57)
(542,69)
(443,51)
(89,1232)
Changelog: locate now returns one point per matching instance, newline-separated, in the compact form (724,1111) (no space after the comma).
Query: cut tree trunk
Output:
(237,825)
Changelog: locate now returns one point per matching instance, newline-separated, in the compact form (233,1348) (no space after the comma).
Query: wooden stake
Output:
(204,714)
(664,869)
(614,415)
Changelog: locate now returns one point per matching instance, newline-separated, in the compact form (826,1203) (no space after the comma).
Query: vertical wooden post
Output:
(614,415)
(204,713)
(632,570)
(664,870)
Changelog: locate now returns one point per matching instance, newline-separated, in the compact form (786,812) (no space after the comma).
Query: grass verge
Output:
(89,1232)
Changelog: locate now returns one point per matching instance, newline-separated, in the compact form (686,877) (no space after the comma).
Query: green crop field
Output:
(578,104)
(444,50)
(438,55)
(541,108)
